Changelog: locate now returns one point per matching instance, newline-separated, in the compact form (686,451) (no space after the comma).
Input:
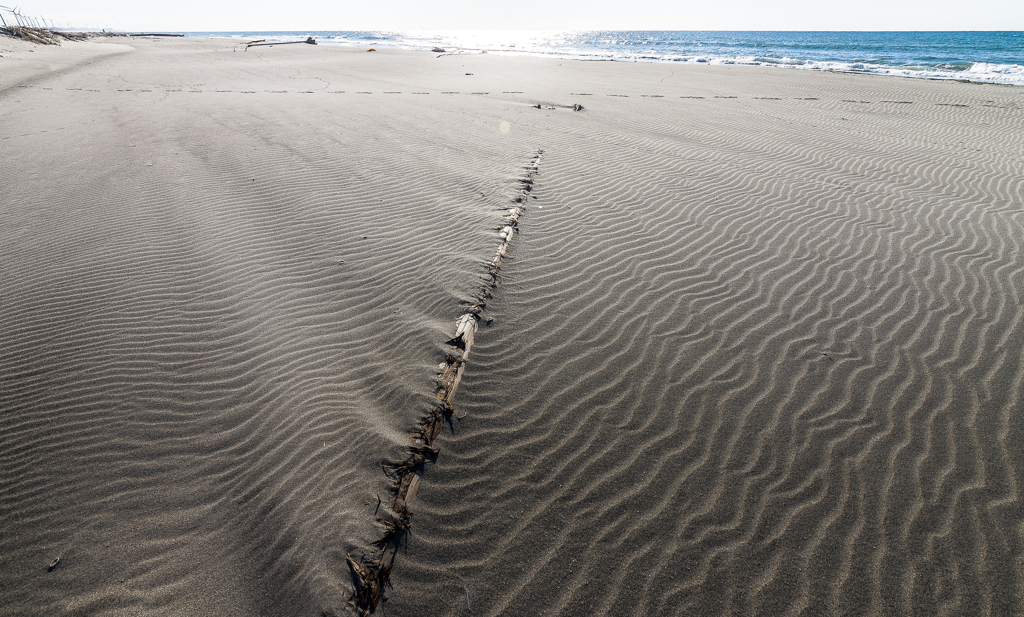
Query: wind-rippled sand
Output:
(755,349)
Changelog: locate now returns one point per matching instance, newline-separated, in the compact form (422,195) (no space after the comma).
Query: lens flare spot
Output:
(504,127)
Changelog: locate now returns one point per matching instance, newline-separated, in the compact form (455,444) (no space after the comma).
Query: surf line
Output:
(373,571)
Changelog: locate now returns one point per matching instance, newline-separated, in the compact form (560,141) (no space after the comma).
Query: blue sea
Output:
(996,57)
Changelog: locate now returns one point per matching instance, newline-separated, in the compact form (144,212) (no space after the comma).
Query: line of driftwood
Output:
(46,36)
(371,572)
(43,36)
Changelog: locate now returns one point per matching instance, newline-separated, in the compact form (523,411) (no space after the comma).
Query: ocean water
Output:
(996,57)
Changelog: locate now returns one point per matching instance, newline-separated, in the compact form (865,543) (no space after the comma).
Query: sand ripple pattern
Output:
(756,350)
(212,336)
(372,571)
(750,359)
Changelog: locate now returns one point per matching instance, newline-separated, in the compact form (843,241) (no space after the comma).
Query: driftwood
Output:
(372,579)
(371,574)
(40,36)
(309,40)
(73,36)
(47,36)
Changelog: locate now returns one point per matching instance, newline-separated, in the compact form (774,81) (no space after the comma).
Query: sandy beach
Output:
(754,350)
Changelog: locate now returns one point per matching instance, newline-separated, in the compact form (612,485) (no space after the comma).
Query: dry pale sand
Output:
(756,349)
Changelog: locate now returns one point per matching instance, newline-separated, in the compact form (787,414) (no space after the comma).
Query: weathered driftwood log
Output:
(464,323)
(310,40)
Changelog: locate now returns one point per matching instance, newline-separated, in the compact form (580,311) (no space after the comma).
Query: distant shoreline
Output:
(974,56)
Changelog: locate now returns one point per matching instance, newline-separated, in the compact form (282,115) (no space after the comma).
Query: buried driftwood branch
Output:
(371,578)
(371,574)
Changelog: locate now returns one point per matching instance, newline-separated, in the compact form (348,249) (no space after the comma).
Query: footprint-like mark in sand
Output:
(373,571)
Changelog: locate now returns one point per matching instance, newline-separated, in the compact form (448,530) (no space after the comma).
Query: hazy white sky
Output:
(211,15)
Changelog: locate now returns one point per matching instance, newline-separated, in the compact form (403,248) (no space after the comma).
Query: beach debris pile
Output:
(371,572)
(43,36)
